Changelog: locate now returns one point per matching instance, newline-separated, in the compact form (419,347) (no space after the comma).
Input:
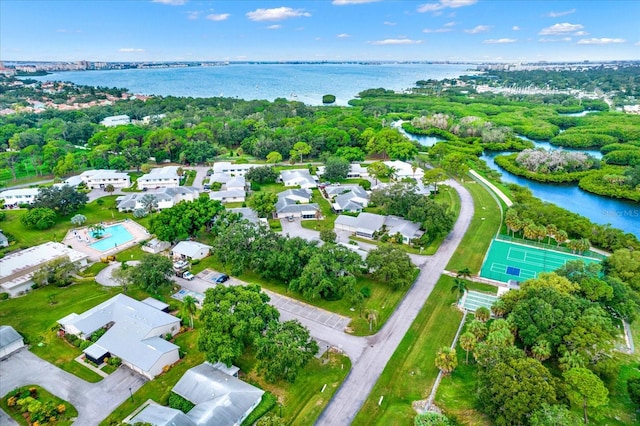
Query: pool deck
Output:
(83,243)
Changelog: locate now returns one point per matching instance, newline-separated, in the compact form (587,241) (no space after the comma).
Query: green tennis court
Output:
(513,261)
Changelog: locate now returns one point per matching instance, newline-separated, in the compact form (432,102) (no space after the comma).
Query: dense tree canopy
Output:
(63,200)
(152,273)
(184,219)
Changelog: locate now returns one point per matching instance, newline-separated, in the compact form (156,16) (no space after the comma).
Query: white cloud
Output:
(444,4)
(581,33)
(193,14)
(171,2)
(554,40)
(478,29)
(637,43)
(274,27)
(389,23)
(218,17)
(395,41)
(559,14)
(603,40)
(343,35)
(437,30)
(500,40)
(343,2)
(450,24)
(276,14)
(130,50)
(561,29)
(515,28)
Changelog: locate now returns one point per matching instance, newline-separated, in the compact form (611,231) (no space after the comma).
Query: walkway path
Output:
(366,370)
(494,188)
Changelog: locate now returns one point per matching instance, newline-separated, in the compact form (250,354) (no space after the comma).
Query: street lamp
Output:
(131,393)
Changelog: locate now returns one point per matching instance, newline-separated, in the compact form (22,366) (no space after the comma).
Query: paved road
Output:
(366,369)
(94,401)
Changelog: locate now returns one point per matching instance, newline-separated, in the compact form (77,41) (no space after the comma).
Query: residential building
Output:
(190,250)
(228,181)
(100,179)
(135,334)
(295,203)
(116,120)
(10,340)
(161,177)
(356,170)
(229,196)
(367,225)
(166,197)
(401,170)
(347,198)
(297,177)
(4,241)
(156,246)
(249,214)
(220,399)
(14,197)
(233,169)
(17,269)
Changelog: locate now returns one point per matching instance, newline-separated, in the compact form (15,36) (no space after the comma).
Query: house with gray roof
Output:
(228,181)
(249,214)
(10,340)
(366,225)
(190,250)
(220,399)
(100,178)
(229,195)
(156,246)
(347,198)
(166,198)
(161,177)
(232,168)
(295,203)
(298,177)
(135,332)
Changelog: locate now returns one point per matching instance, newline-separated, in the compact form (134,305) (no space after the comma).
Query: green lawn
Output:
(383,299)
(328,216)
(62,419)
(484,226)
(411,372)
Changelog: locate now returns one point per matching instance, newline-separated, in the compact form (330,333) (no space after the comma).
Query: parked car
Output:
(188,276)
(222,278)
(181,264)
(290,218)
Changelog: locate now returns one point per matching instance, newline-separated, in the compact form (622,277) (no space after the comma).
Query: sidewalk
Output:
(498,192)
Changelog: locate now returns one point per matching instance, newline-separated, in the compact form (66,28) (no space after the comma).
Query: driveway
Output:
(366,369)
(295,229)
(201,174)
(94,401)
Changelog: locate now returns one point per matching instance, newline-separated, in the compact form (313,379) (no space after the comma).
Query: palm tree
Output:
(478,329)
(459,286)
(446,360)
(189,307)
(560,236)
(541,350)
(512,220)
(149,202)
(464,273)
(468,343)
(551,232)
(483,314)
(372,317)
(97,229)
(499,308)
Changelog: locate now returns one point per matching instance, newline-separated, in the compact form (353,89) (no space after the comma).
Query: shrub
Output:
(195,261)
(3,216)
(633,387)
(4,296)
(366,292)
(84,344)
(328,99)
(179,403)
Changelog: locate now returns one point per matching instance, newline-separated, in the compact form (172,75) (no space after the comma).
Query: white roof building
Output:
(116,120)
(367,224)
(228,181)
(10,340)
(295,203)
(233,169)
(220,400)
(166,197)
(135,334)
(229,196)
(17,269)
(100,178)
(15,197)
(4,241)
(401,170)
(190,250)
(355,171)
(162,177)
(249,214)
(298,177)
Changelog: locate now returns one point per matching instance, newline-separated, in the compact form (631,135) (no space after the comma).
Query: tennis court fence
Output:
(522,241)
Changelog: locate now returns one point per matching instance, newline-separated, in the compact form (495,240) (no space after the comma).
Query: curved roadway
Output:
(366,369)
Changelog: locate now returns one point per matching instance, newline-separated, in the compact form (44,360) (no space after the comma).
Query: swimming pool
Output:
(115,236)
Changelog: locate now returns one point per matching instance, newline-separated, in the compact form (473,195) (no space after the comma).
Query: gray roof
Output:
(333,190)
(155,303)
(8,335)
(162,194)
(302,193)
(3,237)
(220,399)
(130,337)
(231,193)
(402,226)
(366,221)
(301,177)
(189,248)
(247,213)
(159,415)
(283,207)
(351,200)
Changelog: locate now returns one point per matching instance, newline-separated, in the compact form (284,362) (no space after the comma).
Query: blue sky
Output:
(189,30)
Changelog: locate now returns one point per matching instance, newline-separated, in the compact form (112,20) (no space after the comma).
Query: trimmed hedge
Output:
(268,402)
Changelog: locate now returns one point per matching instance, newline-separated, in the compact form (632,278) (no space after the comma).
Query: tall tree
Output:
(378,169)
(391,266)
(300,149)
(468,343)
(459,286)
(274,157)
(585,389)
(233,318)
(283,350)
(152,273)
(63,200)
(189,307)
(336,169)
(446,360)
(264,203)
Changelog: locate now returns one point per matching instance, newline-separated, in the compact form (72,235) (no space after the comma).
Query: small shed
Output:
(190,250)
(156,246)
(10,340)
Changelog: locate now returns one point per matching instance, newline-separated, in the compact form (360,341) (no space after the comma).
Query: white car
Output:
(188,276)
